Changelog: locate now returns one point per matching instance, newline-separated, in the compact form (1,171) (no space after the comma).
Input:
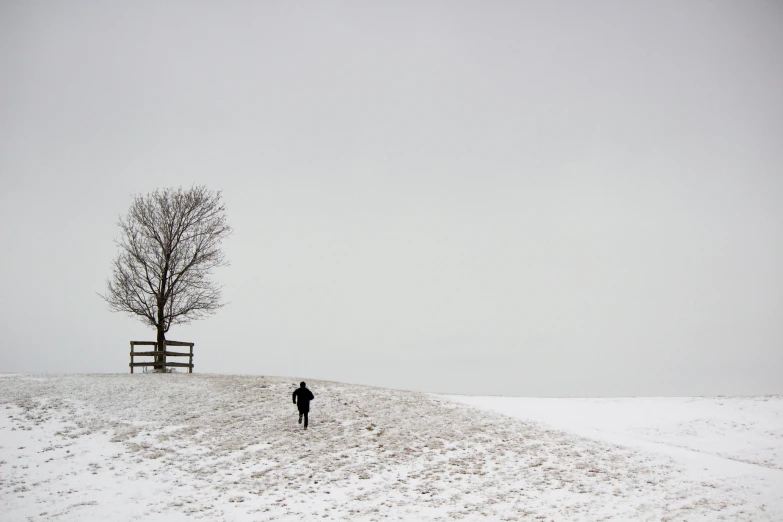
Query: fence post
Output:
(131,354)
(190,359)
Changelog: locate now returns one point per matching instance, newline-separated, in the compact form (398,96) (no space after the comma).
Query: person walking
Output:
(302,397)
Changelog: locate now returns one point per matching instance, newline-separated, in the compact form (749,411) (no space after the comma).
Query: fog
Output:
(534,198)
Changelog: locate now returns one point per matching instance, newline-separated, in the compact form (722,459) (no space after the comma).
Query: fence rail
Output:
(160,355)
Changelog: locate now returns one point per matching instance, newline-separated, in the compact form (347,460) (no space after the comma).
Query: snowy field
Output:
(207,447)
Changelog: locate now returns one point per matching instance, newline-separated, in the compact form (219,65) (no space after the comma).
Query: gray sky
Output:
(523,198)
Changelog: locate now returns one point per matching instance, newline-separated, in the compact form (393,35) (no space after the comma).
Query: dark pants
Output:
(305,417)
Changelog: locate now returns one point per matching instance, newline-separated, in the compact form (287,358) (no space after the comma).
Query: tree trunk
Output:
(161,346)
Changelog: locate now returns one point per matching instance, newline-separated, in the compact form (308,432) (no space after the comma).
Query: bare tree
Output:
(171,240)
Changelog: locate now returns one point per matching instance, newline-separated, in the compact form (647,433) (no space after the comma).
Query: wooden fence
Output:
(161,353)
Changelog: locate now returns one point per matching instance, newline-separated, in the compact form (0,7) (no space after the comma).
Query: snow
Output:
(743,429)
(210,447)
(733,441)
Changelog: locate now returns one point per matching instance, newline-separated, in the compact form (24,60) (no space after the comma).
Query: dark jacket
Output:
(304,397)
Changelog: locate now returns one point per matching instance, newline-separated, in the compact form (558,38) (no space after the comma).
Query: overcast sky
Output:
(522,198)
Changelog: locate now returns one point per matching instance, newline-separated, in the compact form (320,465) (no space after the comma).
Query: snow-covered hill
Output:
(187,447)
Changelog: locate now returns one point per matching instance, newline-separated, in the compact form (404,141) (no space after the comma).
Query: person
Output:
(304,397)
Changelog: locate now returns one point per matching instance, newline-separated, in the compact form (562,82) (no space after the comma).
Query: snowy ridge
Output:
(209,447)
(744,429)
